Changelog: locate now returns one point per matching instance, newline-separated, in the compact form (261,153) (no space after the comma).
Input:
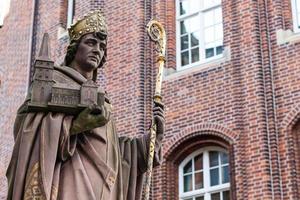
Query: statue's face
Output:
(90,52)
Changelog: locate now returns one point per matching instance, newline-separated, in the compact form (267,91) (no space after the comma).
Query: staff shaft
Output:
(157,98)
(158,35)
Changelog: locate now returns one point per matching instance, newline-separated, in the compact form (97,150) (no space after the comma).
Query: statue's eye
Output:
(90,42)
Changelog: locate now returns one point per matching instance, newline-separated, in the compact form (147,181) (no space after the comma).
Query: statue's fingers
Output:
(158,109)
(159,119)
(158,113)
(159,104)
(85,112)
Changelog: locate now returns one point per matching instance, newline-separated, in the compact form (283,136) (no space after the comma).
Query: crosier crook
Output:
(158,35)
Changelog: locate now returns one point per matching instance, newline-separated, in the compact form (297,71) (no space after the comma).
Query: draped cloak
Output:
(50,164)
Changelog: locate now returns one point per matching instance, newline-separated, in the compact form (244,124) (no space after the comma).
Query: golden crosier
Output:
(91,23)
(158,35)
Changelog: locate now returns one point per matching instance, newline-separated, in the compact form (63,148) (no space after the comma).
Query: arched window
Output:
(204,175)
(199,28)
(296,15)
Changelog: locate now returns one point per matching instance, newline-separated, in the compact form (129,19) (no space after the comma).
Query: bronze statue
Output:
(62,155)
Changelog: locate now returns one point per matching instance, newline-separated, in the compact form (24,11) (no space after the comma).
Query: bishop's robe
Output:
(50,164)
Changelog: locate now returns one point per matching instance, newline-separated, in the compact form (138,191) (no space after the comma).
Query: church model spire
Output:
(43,76)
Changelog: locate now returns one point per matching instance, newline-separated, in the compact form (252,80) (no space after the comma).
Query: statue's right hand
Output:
(91,117)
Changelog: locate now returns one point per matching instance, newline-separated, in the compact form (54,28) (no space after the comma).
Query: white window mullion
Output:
(181,183)
(206,176)
(190,51)
(220,169)
(70,13)
(193,174)
(201,40)
(207,190)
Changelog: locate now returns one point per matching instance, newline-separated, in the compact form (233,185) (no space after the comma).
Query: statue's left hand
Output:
(159,118)
(91,117)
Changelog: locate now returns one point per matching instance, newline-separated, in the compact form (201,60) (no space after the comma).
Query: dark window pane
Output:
(198,162)
(184,58)
(184,42)
(199,198)
(188,185)
(225,174)
(198,180)
(195,55)
(182,27)
(209,52)
(194,39)
(224,158)
(183,7)
(188,167)
(226,195)
(213,158)
(215,196)
(219,50)
(214,177)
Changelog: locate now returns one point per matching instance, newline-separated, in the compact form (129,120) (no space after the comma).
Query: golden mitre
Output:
(91,23)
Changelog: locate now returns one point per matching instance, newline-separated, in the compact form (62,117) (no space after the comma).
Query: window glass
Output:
(199,162)
(188,184)
(215,196)
(225,174)
(183,7)
(224,158)
(198,180)
(205,175)
(219,50)
(185,58)
(226,195)
(195,39)
(183,27)
(202,21)
(188,167)
(213,158)
(184,42)
(195,55)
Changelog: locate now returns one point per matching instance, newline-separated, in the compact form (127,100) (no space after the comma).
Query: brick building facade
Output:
(243,103)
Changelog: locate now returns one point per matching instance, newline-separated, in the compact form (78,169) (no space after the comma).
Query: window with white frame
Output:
(296,15)
(70,13)
(204,175)
(199,31)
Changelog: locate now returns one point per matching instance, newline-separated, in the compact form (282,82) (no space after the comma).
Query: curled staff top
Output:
(157,33)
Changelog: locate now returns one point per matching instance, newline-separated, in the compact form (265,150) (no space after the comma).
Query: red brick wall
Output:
(14,54)
(248,104)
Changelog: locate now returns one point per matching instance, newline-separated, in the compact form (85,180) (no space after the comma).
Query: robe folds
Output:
(50,164)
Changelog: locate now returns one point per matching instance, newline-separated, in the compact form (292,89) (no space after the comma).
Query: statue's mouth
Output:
(95,58)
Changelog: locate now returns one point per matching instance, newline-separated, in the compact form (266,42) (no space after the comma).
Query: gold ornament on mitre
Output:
(92,23)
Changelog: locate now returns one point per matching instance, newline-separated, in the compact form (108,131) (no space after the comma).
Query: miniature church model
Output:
(43,76)
(47,95)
